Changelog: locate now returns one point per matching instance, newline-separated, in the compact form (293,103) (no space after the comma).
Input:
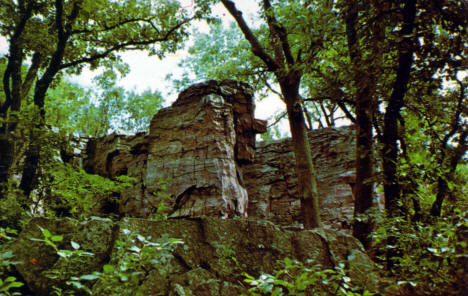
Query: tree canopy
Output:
(64,35)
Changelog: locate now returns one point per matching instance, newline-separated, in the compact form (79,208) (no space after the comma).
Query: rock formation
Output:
(272,182)
(202,149)
(202,266)
(196,148)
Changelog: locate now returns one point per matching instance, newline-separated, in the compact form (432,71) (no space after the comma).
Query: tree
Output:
(65,35)
(287,63)
(316,40)
(223,53)
(363,76)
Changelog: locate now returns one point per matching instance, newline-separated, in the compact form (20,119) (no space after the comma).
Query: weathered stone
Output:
(38,259)
(203,149)
(202,266)
(197,146)
(272,182)
(113,155)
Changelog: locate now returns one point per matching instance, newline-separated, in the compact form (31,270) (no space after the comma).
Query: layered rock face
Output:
(202,149)
(198,144)
(195,149)
(272,182)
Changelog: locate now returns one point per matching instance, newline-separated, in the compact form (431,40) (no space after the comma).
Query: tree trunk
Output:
(364,165)
(31,162)
(10,108)
(363,188)
(305,170)
(6,158)
(442,184)
(392,112)
(29,178)
(289,81)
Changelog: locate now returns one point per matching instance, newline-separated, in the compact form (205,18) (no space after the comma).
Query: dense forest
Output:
(396,70)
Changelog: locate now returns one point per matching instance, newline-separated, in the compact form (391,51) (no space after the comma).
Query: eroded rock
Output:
(198,145)
(272,182)
(202,149)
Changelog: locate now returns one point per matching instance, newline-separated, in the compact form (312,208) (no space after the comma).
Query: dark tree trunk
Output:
(289,81)
(442,184)
(6,158)
(31,164)
(11,106)
(392,188)
(392,112)
(364,165)
(363,188)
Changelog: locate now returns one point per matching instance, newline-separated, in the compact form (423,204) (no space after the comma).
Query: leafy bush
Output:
(135,256)
(13,212)
(301,279)
(8,283)
(73,192)
(429,258)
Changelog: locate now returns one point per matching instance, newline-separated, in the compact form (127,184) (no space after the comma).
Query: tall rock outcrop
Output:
(202,149)
(195,149)
(197,146)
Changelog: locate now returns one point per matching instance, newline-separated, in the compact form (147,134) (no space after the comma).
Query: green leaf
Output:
(75,245)
(56,238)
(46,233)
(16,285)
(107,268)
(10,279)
(89,277)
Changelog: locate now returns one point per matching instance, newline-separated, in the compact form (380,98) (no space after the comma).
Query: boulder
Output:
(214,254)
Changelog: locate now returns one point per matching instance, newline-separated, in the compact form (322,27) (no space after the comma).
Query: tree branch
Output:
(32,72)
(279,32)
(257,48)
(15,59)
(125,45)
(281,116)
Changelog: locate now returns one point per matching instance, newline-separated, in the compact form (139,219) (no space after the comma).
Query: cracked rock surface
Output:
(202,149)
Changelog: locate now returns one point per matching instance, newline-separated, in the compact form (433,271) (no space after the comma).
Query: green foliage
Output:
(161,212)
(134,257)
(8,283)
(12,212)
(73,255)
(301,279)
(220,54)
(99,111)
(72,192)
(227,256)
(430,257)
